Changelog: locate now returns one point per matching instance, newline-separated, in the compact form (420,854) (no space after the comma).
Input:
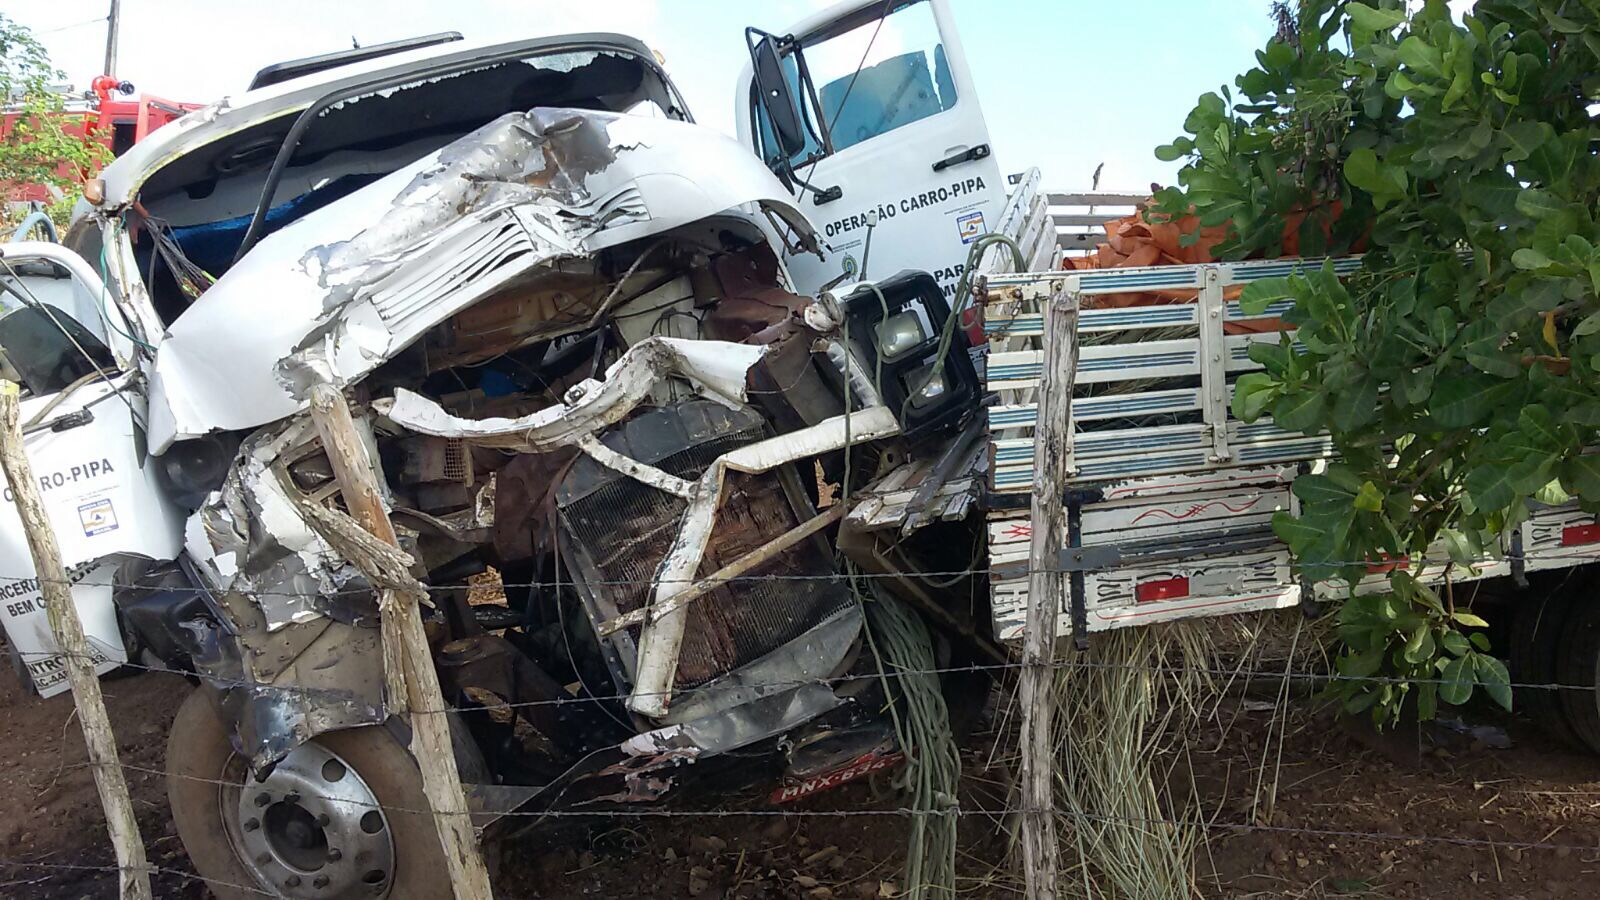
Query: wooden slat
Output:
(1014,477)
(1238,355)
(1096,198)
(1101,363)
(1109,406)
(1110,442)
(1069,219)
(1126,318)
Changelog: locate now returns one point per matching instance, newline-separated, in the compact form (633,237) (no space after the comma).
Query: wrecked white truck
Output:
(561,314)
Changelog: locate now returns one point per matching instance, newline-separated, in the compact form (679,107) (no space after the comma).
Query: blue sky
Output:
(1065,84)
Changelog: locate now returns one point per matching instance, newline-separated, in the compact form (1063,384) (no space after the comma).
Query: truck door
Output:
(892,130)
(81,417)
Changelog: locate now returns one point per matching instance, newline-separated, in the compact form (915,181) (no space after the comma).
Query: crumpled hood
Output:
(338,292)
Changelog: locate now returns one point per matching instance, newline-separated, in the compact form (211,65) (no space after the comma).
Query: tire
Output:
(205,783)
(1536,633)
(1576,664)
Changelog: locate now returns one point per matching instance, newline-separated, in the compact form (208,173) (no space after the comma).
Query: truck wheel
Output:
(1577,665)
(339,817)
(1536,631)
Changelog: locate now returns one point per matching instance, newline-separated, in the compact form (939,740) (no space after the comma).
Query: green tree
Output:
(36,148)
(1459,371)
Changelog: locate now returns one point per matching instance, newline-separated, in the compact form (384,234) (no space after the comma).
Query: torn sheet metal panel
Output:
(251,537)
(628,384)
(719,369)
(395,258)
(103,501)
(640,769)
(931,489)
(28,630)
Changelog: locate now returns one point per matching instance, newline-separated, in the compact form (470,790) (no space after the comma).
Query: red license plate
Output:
(863,765)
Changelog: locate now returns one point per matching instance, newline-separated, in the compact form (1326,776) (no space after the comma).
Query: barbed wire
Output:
(774,685)
(998,668)
(112,868)
(895,812)
(1003,570)
(65,870)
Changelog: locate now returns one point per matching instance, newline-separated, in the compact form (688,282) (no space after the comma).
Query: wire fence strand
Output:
(1006,571)
(773,686)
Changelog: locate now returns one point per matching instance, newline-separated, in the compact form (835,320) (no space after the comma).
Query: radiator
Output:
(617,531)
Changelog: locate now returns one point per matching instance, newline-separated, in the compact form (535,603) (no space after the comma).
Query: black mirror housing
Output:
(783,112)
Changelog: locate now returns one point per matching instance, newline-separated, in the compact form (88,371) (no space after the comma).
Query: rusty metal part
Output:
(753,308)
(729,572)
(870,550)
(620,531)
(492,663)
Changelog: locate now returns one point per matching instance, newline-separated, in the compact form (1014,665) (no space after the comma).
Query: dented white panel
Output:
(341,290)
(103,502)
(718,368)
(1556,537)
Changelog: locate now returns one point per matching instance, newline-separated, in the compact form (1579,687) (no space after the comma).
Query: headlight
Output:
(899,334)
(193,469)
(900,324)
(926,386)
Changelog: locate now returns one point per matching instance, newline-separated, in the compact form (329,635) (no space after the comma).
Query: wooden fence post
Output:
(430,743)
(56,590)
(1051,434)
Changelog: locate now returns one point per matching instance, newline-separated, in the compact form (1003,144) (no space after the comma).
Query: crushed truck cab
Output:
(633,465)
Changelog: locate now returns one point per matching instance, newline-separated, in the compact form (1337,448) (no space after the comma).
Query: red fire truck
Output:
(114,118)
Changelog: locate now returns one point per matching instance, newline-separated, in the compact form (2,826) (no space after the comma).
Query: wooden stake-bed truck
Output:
(1170,495)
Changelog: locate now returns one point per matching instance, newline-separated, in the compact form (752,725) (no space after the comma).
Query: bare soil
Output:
(1377,823)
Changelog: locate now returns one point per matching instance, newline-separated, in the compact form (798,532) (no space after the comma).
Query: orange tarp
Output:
(1135,241)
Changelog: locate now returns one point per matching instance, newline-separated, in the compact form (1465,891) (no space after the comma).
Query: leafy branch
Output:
(38,146)
(1458,373)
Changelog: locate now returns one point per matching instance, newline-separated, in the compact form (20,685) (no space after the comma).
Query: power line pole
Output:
(113,22)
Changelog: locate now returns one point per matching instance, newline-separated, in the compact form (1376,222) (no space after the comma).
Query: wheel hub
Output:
(313,829)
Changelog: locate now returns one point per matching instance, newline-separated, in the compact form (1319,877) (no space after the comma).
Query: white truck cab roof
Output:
(232,114)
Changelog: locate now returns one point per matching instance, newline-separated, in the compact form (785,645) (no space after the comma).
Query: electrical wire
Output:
(932,774)
(93,21)
(963,298)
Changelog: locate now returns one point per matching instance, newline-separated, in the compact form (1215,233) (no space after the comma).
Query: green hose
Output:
(877,385)
(900,642)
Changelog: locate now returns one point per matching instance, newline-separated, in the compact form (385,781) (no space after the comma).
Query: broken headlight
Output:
(191,470)
(899,334)
(927,385)
(927,390)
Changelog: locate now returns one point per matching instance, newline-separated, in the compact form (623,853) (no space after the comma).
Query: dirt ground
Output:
(1403,829)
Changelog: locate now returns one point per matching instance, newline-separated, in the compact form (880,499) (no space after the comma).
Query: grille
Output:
(619,532)
(457,462)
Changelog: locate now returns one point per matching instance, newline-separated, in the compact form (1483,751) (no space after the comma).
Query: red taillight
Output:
(1573,535)
(1165,589)
(972,324)
(1387,563)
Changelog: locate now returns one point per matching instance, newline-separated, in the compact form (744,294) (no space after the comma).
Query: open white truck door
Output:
(81,413)
(868,111)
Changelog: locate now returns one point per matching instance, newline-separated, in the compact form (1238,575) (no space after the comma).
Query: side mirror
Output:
(776,98)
